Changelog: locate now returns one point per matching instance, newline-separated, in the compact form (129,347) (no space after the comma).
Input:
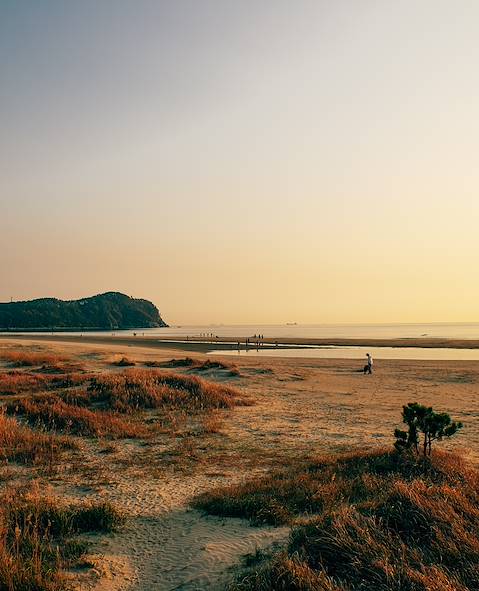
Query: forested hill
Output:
(106,311)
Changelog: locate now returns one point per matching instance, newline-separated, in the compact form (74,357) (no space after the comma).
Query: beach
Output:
(299,408)
(205,344)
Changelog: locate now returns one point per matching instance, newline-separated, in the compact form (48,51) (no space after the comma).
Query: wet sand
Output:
(203,344)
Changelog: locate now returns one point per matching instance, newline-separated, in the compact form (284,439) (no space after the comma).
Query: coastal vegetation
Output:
(53,414)
(205,366)
(39,537)
(378,521)
(57,416)
(434,426)
(135,388)
(19,443)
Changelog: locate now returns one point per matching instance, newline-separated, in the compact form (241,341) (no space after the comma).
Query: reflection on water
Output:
(360,353)
(318,331)
(313,331)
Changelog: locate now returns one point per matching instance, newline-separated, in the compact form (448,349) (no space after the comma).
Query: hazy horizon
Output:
(239,163)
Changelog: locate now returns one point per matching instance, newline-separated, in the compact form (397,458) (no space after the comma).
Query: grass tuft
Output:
(375,521)
(16,382)
(37,537)
(19,443)
(30,358)
(124,362)
(198,365)
(54,414)
(143,389)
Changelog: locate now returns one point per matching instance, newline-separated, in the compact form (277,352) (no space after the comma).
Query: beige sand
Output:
(302,406)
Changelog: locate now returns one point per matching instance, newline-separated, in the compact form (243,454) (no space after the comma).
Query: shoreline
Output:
(231,343)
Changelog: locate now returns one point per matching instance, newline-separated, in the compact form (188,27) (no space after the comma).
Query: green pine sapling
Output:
(422,419)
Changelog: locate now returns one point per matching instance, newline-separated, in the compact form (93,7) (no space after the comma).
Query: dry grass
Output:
(37,537)
(211,423)
(92,411)
(61,368)
(124,362)
(382,521)
(146,389)
(30,358)
(17,382)
(19,443)
(184,362)
(52,413)
(198,365)
(69,380)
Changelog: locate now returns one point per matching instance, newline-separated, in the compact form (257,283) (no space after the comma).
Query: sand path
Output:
(165,545)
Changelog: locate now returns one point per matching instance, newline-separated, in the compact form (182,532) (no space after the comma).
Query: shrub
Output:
(433,425)
(124,362)
(185,362)
(198,365)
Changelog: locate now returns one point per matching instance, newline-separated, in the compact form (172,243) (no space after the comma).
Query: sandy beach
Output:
(300,408)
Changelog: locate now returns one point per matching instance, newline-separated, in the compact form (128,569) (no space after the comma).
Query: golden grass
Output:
(16,382)
(91,405)
(183,362)
(30,358)
(19,443)
(211,423)
(198,365)
(374,521)
(37,537)
(124,362)
(69,380)
(147,389)
(52,413)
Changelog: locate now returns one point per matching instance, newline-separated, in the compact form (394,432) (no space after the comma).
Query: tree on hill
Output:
(106,311)
(423,419)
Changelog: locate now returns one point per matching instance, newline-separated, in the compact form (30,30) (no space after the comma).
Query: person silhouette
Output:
(368,368)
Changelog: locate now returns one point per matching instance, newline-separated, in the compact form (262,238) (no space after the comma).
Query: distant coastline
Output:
(106,311)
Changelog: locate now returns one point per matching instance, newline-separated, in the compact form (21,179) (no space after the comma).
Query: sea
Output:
(463,330)
(318,331)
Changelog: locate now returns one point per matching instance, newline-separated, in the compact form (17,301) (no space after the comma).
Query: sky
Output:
(243,162)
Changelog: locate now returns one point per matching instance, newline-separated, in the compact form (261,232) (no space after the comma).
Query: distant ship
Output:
(291,324)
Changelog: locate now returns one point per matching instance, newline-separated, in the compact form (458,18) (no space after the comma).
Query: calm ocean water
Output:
(442,330)
(445,330)
(439,330)
(359,353)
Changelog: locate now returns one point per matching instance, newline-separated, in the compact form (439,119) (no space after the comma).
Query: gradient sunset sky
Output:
(248,161)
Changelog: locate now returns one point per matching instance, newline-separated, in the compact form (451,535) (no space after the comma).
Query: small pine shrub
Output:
(434,426)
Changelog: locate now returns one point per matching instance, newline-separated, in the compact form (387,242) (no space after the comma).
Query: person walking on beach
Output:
(368,368)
